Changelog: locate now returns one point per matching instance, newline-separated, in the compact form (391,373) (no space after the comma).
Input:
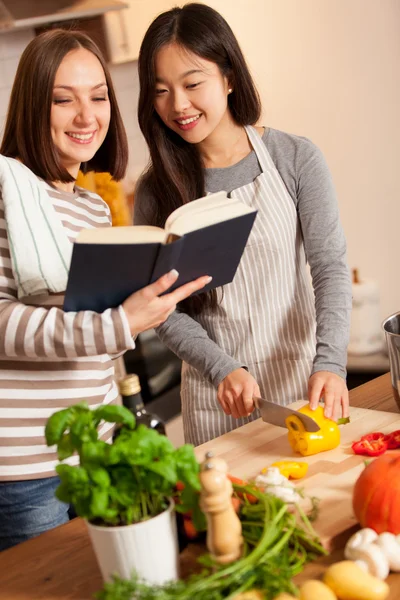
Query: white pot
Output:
(150,548)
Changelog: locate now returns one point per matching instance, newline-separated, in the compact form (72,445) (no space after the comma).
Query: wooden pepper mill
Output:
(224,529)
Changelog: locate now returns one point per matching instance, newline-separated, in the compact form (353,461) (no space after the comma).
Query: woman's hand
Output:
(146,309)
(236,393)
(333,388)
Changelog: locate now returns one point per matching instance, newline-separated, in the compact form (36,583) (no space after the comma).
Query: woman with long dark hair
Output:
(62,116)
(266,333)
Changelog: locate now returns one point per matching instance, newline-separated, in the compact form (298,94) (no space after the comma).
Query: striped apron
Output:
(266,317)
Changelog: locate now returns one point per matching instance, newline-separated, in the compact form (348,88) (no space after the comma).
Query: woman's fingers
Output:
(146,308)
(166,281)
(223,399)
(247,399)
(345,403)
(236,393)
(161,285)
(188,289)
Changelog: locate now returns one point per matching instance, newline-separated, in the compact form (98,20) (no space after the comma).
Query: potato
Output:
(316,590)
(351,582)
(250,595)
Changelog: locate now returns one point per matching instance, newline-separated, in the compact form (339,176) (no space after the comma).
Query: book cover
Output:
(103,275)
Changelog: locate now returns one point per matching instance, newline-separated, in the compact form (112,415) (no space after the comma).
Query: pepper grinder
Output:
(224,529)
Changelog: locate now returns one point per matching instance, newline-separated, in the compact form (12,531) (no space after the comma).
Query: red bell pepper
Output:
(376,436)
(393,439)
(370,447)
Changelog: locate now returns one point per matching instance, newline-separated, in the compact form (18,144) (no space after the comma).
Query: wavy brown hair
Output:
(27,133)
(175,174)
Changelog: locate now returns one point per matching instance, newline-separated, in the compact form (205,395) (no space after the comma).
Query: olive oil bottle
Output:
(130,390)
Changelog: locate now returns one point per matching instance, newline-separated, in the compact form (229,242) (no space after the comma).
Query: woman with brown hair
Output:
(266,333)
(63,116)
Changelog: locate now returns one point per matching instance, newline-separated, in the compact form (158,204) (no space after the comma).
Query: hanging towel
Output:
(39,247)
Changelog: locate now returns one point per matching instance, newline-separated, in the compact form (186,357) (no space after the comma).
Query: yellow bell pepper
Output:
(290,468)
(312,442)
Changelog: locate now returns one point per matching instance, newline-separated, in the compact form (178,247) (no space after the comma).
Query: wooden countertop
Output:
(60,564)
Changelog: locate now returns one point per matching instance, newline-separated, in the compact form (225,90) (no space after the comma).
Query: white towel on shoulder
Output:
(39,246)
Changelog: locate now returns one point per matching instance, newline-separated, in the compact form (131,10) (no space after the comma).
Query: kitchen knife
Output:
(275,414)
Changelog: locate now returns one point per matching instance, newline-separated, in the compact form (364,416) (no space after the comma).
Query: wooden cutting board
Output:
(331,475)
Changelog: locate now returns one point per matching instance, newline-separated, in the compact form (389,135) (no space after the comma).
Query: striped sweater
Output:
(49,359)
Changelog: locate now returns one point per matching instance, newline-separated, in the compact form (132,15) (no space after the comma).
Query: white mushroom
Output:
(273,482)
(362,548)
(362,538)
(363,565)
(288,495)
(375,560)
(272,476)
(390,545)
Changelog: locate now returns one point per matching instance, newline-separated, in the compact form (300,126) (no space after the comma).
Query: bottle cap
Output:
(129,385)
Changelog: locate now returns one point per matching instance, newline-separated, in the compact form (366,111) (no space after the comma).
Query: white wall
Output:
(328,70)
(11,47)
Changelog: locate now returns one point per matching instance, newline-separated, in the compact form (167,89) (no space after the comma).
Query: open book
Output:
(205,237)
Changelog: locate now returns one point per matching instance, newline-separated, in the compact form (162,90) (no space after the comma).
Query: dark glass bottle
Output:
(129,388)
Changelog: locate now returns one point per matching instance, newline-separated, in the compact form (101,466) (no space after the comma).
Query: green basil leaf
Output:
(187,466)
(199,519)
(94,452)
(63,493)
(166,469)
(74,476)
(65,447)
(115,414)
(99,476)
(99,502)
(56,425)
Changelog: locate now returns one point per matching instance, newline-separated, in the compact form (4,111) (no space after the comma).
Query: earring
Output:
(230,91)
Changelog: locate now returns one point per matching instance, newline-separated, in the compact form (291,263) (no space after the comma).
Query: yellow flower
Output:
(110,191)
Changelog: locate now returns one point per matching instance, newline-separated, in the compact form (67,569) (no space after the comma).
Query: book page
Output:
(210,201)
(203,212)
(133,234)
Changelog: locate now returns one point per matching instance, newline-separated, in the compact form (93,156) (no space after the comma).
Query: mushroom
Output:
(362,548)
(273,476)
(278,485)
(361,538)
(390,545)
(288,495)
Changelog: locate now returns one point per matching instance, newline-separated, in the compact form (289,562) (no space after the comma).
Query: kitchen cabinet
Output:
(125,28)
(27,14)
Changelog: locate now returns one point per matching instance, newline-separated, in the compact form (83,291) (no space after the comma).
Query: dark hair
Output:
(175,174)
(27,133)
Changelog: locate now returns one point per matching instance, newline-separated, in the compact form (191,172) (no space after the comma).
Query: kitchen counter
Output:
(60,564)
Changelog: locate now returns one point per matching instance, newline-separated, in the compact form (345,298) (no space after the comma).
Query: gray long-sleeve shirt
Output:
(308,181)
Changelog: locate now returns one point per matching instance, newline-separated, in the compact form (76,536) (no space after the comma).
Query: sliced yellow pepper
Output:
(290,468)
(312,442)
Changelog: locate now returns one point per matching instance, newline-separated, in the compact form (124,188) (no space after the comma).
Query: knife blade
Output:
(275,414)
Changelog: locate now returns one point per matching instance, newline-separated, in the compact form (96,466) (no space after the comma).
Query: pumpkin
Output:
(376,494)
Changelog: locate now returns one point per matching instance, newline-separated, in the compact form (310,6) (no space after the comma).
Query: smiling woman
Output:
(268,333)
(191,101)
(72,61)
(63,116)
(81,111)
